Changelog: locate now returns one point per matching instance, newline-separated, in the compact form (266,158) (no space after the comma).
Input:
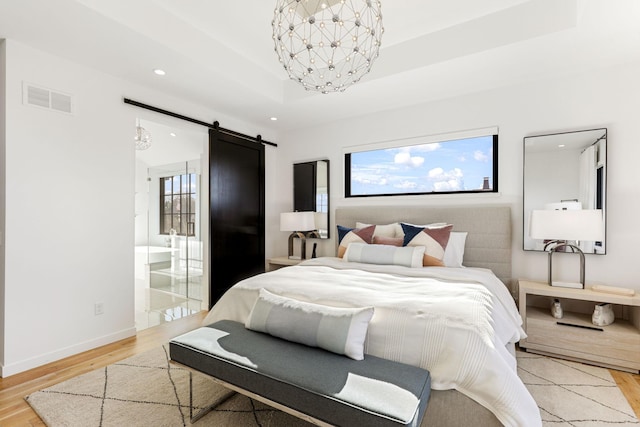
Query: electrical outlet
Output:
(98,308)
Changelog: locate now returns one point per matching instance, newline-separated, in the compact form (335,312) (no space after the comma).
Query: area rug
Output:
(148,390)
(574,394)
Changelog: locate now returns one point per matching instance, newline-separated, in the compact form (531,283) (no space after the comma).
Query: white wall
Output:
(3,182)
(66,228)
(69,230)
(607,98)
(69,203)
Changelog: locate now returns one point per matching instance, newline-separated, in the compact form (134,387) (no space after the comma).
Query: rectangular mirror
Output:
(311,193)
(565,171)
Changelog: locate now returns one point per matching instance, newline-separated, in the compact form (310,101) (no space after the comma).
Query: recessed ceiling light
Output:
(159,72)
(273,119)
(172,134)
(561,145)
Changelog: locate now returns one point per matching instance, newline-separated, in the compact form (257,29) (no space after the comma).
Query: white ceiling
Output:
(220,53)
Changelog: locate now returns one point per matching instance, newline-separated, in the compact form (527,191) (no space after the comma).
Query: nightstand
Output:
(574,336)
(281,261)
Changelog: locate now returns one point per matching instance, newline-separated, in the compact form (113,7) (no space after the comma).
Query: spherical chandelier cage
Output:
(142,138)
(327,45)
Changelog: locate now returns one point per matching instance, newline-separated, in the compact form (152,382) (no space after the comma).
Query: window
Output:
(178,204)
(458,163)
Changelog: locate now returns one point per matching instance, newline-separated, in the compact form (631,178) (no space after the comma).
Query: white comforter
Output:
(454,322)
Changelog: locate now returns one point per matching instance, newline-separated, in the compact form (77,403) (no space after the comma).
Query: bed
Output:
(460,323)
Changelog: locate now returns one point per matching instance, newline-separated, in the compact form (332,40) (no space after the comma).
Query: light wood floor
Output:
(630,386)
(14,410)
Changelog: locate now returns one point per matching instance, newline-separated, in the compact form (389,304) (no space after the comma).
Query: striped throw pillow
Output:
(336,329)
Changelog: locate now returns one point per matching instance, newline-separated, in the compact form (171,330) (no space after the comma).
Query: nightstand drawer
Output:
(619,340)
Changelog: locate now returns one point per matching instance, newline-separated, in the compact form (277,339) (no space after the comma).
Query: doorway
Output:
(170,240)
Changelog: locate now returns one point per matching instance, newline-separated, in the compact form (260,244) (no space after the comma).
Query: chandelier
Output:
(142,137)
(327,45)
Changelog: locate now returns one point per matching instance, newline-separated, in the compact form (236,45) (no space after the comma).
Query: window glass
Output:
(462,165)
(177,210)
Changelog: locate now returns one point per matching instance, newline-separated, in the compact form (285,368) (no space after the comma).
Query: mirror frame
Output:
(553,172)
(309,195)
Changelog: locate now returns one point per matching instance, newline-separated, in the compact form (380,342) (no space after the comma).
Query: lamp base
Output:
(574,285)
(561,246)
(303,245)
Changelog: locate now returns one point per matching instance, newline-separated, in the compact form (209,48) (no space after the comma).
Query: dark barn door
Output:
(236,168)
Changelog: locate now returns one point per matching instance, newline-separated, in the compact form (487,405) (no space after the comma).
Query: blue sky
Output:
(457,165)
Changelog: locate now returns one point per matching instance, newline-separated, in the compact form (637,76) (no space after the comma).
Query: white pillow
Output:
(454,252)
(432,225)
(336,329)
(408,256)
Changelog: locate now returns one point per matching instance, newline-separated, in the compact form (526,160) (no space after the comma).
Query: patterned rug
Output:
(147,390)
(574,394)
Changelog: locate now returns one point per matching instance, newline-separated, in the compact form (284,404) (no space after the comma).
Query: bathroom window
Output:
(461,162)
(178,204)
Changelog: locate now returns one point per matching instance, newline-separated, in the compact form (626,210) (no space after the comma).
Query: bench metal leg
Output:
(209,408)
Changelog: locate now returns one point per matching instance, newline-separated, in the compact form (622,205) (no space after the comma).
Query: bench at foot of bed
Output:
(313,384)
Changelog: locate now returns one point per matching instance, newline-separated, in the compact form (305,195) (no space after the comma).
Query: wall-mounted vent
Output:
(39,96)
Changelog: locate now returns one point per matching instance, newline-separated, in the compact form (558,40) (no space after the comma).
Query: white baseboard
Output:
(35,362)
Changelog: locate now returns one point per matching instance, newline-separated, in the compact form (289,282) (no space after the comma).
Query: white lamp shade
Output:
(321,220)
(583,225)
(297,221)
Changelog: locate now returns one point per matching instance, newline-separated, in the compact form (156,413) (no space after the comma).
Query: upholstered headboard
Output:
(488,242)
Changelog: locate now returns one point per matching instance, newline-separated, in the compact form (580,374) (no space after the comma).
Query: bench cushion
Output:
(327,386)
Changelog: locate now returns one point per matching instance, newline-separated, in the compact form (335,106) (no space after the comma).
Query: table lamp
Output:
(298,223)
(559,226)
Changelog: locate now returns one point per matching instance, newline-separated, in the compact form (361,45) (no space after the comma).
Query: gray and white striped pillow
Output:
(408,256)
(336,329)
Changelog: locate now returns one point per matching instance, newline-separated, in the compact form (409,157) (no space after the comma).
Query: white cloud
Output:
(451,185)
(405,158)
(452,180)
(435,172)
(426,147)
(406,185)
(480,156)
(370,179)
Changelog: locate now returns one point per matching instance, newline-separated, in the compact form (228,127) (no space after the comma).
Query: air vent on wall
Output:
(39,96)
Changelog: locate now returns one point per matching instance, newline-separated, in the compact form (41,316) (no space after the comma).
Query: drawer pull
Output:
(581,326)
